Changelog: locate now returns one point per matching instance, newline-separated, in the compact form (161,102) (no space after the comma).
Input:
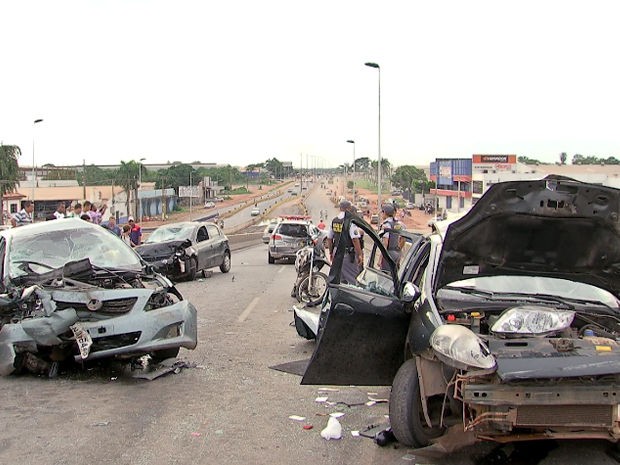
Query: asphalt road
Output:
(231,408)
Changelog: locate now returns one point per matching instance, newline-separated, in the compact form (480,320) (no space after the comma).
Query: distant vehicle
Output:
(268,230)
(290,235)
(217,199)
(180,250)
(294,193)
(255,211)
(209,205)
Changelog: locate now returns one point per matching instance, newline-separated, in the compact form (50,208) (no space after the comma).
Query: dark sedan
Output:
(180,250)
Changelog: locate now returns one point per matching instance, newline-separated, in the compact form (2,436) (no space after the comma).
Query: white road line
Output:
(281,269)
(248,310)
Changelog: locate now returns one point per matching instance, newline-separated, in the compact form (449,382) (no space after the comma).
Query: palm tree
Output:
(127,177)
(9,172)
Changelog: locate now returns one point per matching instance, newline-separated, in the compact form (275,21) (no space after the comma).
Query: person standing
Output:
(77,211)
(392,241)
(24,216)
(337,237)
(113,227)
(60,212)
(125,235)
(135,234)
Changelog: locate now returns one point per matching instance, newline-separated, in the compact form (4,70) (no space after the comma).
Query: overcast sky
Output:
(242,81)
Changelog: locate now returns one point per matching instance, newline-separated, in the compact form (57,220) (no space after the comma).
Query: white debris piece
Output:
(321,399)
(333,430)
(297,418)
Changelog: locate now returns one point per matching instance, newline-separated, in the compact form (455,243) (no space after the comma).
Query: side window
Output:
(213,231)
(202,234)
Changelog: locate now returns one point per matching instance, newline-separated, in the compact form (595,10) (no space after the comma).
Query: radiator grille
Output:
(565,415)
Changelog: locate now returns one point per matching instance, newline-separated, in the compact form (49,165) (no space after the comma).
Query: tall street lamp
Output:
(375,65)
(139,187)
(353,169)
(39,120)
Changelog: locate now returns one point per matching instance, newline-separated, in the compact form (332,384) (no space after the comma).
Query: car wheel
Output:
(270,259)
(406,414)
(225,266)
(312,293)
(192,268)
(159,355)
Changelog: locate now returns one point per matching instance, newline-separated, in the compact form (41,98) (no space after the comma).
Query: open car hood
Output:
(554,227)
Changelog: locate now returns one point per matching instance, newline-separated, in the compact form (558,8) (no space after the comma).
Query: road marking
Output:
(248,310)
(281,269)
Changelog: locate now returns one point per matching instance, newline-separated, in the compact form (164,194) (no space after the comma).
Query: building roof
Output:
(73,193)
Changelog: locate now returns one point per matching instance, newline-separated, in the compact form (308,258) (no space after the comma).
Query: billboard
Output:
(190,191)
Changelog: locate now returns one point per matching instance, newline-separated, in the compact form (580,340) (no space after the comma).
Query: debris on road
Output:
(297,418)
(333,430)
(170,365)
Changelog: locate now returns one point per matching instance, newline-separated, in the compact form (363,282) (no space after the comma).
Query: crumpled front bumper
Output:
(134,333)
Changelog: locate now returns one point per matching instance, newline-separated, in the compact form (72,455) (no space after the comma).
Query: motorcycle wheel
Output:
(312,293)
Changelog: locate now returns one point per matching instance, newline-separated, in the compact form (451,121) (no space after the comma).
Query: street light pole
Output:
(375,65)
(139,203)
(353,170)
(39,120)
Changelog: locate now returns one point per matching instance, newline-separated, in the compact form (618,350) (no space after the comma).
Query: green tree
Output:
(9,172)
(411,178)
(529,161)
(563,157)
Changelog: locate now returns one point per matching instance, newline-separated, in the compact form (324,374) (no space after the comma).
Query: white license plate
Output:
(83,339)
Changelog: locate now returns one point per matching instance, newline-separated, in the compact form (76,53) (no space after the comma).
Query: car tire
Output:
(163,354)
(406,414)
(192,268)
(225,266)
(303,294)
(270,259)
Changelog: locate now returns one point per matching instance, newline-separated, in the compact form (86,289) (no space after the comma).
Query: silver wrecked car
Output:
(71,290)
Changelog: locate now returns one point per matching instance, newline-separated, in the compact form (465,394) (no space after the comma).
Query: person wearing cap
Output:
(392,241)
(135,233)
(354,256)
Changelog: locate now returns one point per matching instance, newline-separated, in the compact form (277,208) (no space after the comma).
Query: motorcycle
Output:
(311,284)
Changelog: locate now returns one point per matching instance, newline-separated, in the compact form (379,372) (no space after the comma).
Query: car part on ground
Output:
(503,327)
(73,292)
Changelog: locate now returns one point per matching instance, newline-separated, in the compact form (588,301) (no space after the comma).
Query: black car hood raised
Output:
(158,249)
(554,227)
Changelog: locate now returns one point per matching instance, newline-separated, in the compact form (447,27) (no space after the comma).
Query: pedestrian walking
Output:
(24,216)
(135,234)
(392,241)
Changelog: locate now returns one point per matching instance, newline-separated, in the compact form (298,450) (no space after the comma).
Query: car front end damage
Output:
(523,373)
(89,317)
(171,259)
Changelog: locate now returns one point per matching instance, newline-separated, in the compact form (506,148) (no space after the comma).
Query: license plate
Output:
(83,339)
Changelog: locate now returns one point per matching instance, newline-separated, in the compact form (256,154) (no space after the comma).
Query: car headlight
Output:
(532,320)
(460,347)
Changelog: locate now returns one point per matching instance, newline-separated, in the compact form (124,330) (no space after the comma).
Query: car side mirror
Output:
(411,293)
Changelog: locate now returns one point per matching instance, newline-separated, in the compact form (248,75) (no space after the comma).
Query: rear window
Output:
(293,230)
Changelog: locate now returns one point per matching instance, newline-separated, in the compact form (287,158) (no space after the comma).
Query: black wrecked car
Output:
(504,329)
(72,292)
(180,250)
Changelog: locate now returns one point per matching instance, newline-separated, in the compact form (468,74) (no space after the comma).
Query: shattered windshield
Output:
(170,233)
(52,248)
(534,286)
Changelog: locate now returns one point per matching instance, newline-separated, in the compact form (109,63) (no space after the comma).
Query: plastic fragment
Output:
(333,430)
(308,427)
(296,418)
